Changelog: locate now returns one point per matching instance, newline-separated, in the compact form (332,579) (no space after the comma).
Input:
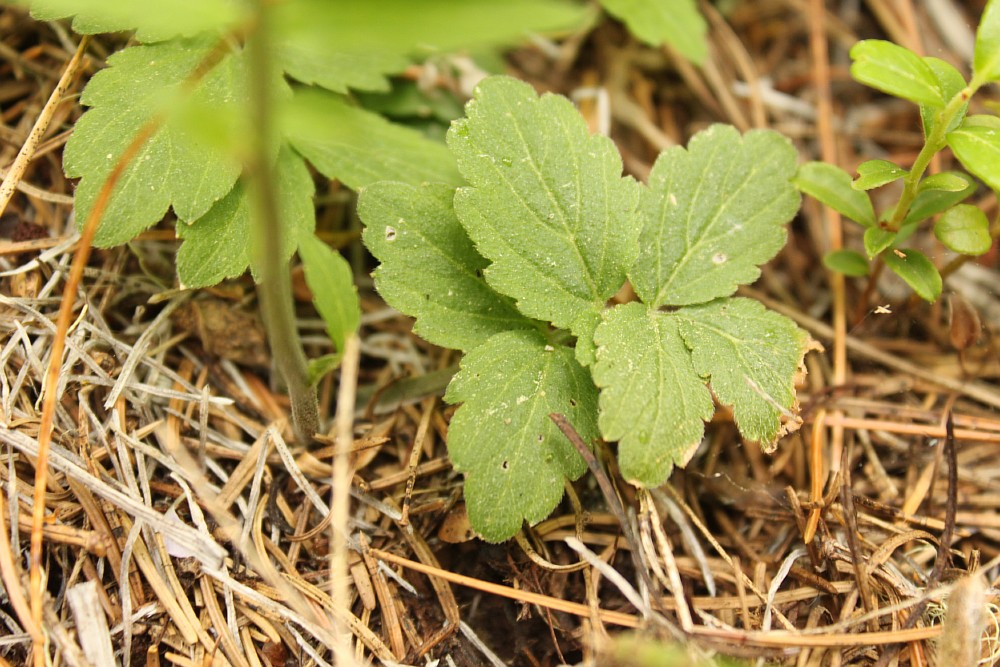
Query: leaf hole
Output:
(390,234)
(505,465)
(572,402)
(541,438)
(719,258)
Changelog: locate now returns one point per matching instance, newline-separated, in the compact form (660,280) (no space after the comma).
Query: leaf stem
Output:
(274,287)
(936,140)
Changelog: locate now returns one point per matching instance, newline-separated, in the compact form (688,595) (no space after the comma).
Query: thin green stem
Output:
(274,288)
(936,140)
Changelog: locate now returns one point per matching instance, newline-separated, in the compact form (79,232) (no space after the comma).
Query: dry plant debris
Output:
(183,525)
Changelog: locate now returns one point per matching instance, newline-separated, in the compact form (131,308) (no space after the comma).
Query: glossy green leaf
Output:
(652,400)
(677,23)
(331,282)
(895,70)
(876,173)
(429,267)
(976,143)
(986,59)
(917,271)
(514,458)
(952,82)
(877,239)
(547,203)
(937,193)
(965,230)
(750,356)
(712,214)
(153,20)
(831,185)
(358,147)
(217,245)
(848,262)
(172,168)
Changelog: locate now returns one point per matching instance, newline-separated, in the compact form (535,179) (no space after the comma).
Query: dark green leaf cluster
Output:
(517,267)
(942,94)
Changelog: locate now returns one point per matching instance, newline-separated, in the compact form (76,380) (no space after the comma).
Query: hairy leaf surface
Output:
(217,245)
(173,168)
(712,214)
(652,400)
(429,267)
(751,356)
(358,147)
(548,205)
(514,458)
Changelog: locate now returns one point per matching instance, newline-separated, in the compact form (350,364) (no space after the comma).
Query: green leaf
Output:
(217,245)
(895,70)
(952,83)
(358,147)
(172,168)
(331,282)
(937,193)
(877,239)
(153,21)
(751,357)
(986,59)
(514,458)
(917,271)
(319,367)
(712,214)
(676,23)
(652,400)
(403,26)
(429,267)
(848,262)
(547,203)
(831,185)
(976,144)
(338,71)
(965,230)
(876,173)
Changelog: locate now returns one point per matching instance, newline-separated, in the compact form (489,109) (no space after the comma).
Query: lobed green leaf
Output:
(917,271)
(173,168)
(338,71)
(976,143)
(652,400)
(547,203)
(358,147)
(751,357)
(895,70)
(331,282)
(712,213)
(831,185)
(676,23)
(965,230)
(217,245)
(153,20)
(429,268)
(876,173)
(514,458)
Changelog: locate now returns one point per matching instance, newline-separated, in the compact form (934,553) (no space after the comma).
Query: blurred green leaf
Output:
(848,262)
(965,230)
(359,147)
(831,185)
(331,282)
(986,60)
(876,173)
(895,70)
(877,239)
(677,23)
(338,71)
(976,143)
(952,82)
(153,20)
(917,271)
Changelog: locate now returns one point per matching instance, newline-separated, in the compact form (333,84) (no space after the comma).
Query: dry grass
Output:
(183,524)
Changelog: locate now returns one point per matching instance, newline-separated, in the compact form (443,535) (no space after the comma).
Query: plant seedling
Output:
(943,95)
(516,269)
